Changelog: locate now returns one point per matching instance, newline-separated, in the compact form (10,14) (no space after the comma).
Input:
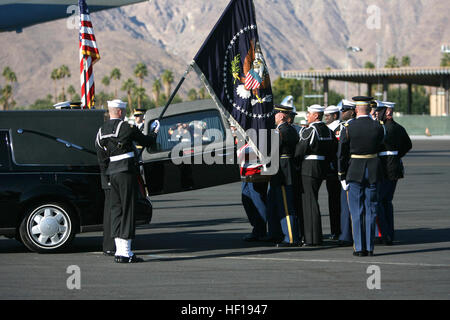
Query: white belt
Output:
(314,157)
(388,153)
(122,156)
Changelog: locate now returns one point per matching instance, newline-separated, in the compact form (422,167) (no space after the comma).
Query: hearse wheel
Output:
(48,227)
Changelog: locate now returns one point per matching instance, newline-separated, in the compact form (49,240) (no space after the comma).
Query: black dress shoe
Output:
(360,253)
(287,244)
(370,253)
(132,259)
(251,238)
(270,239)
(109,253)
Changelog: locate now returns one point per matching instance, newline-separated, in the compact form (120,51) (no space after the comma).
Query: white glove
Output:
(155,126)
(344,185)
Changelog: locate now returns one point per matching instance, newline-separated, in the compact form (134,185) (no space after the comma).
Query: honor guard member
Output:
(288,104)
(332,121)
(254,193)
(316,149)
(360,167)
(139,119)
(109,247)
(281,206)
(396,144)
(346,237)
(116,137)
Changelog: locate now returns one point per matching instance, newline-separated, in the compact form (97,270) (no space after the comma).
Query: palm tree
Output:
(156,91)
(202,93)
(167,78)
(115,75)
(10,77)
(392,62)
(140,71)
(406,61)
(106,81)
(55,76)
(63,73)
(192,95)
(140,95)
(71,91)
(129,86)
(6,94)
(445,59)
(369,65)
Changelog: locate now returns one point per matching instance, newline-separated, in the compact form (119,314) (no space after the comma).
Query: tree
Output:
(63,73)
(140,71)
(55,76)
(71,91)
(139,94)
(6,93)
(192,95)
(106,81)
(445,59)
(128,86)
(167,78)
(406,61)
(392,62)
(10,77)
(369,65)
(115,75)
(156,91)
(101,98)
(202,94)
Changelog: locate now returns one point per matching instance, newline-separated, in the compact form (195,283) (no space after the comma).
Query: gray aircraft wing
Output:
(15,15)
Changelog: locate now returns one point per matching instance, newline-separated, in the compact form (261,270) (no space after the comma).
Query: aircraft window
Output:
(195,128)
(4,154)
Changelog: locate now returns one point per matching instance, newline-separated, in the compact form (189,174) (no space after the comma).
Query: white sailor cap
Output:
(62,105)
(316,108)
(385,104)
(388,104)
(331,109)
(346,105)
(117,104)
(289,102)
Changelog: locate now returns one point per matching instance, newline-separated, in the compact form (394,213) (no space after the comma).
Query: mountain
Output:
(166,34)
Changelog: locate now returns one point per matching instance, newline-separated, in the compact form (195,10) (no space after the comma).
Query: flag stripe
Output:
(89,54)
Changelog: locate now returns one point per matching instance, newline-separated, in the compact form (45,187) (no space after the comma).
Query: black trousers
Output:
(312,223)
(108,240)
(334,203)
(124,195)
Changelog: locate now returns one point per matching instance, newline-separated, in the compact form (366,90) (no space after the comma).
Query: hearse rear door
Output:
(195,149)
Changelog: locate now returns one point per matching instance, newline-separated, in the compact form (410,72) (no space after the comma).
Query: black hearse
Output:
(49,177)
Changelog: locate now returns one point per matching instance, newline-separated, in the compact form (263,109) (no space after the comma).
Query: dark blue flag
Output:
(233,68)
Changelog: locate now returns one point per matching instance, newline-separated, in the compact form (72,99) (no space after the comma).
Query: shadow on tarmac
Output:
(213,238)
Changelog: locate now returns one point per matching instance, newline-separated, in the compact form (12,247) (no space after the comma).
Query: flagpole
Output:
(85,83)
(172,96)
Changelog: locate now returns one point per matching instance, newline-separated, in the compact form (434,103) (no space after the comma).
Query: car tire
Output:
(48,227)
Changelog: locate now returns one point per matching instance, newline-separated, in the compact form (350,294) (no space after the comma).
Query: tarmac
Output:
(193,250)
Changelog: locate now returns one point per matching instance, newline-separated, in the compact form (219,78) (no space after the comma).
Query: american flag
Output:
(252,80)
(88,56)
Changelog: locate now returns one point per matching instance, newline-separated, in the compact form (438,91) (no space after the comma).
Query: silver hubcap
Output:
(49,226)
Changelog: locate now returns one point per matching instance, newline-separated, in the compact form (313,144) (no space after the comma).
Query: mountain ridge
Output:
(166,34)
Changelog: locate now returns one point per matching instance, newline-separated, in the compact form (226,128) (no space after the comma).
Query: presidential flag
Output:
(88,56)
(232,67)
